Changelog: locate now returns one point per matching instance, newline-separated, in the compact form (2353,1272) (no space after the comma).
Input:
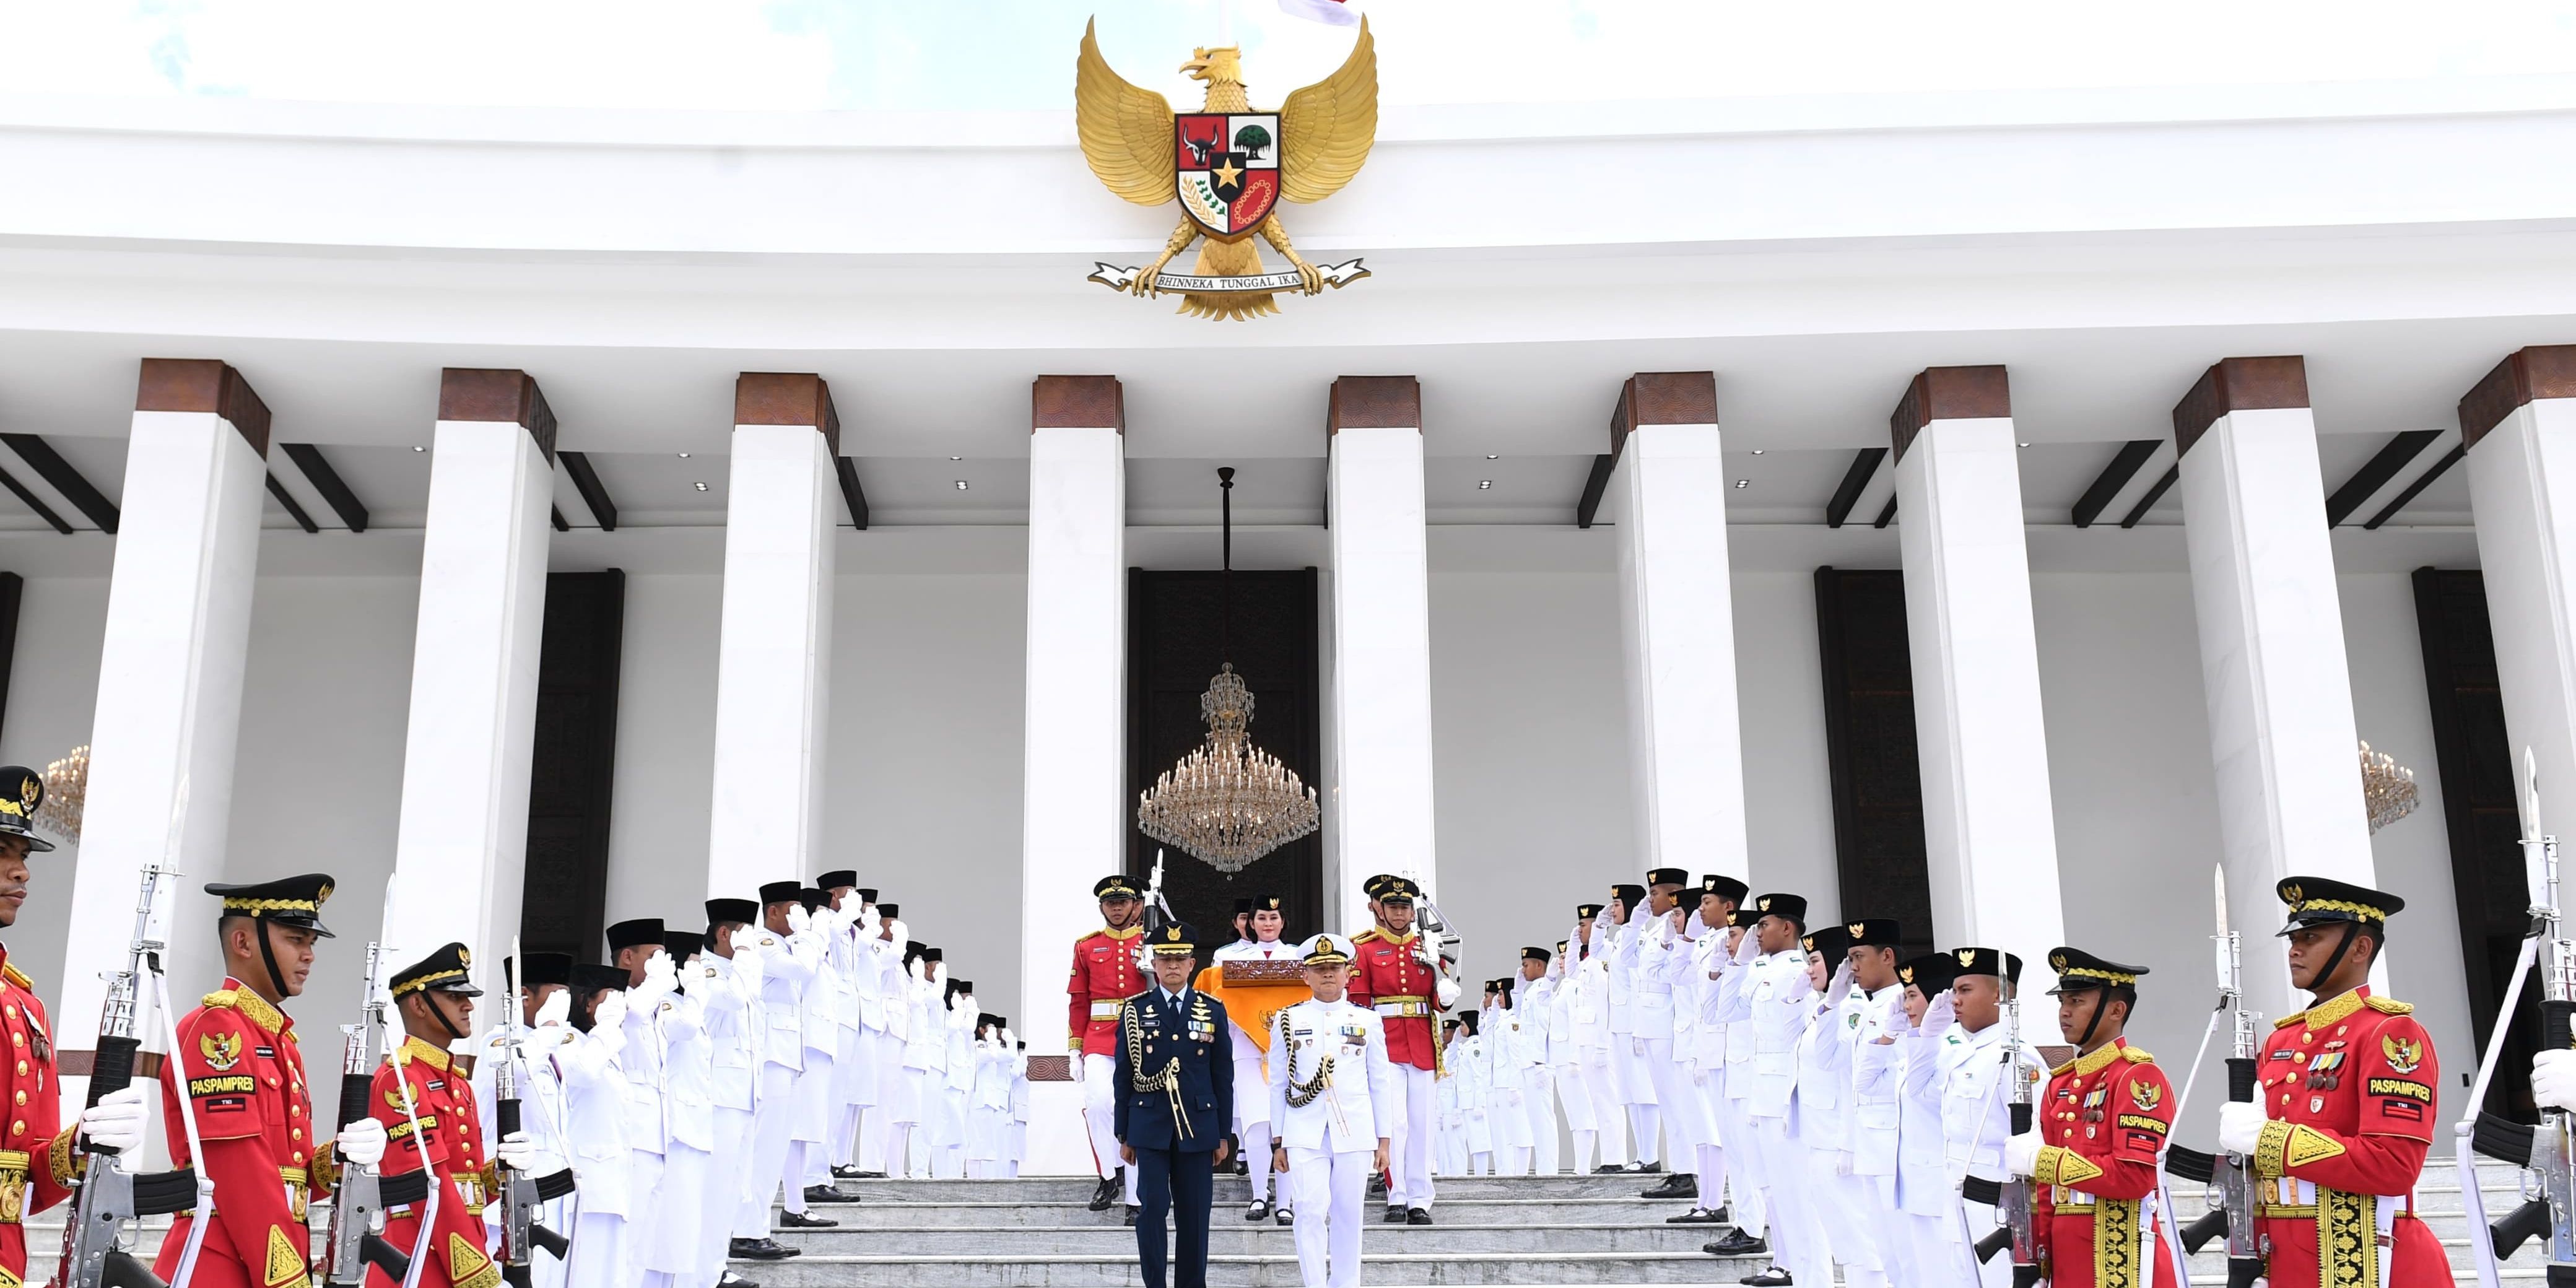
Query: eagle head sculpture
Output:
(1129,136)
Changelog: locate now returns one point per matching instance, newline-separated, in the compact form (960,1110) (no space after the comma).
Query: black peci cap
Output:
(1932,972)
(812,899)
(21,791)
(1724,887)
(930,954)
(445,971)
(287,901)
(633,934)
(1986,961)
(682,944)
(542,969)
(1586,911)
(2323,901)
(589,978)
(1269,903)
(2078,970)
(779,892)
(836,879)
(739,912)
(1744,916)
(1831,941)
(1534,954)
(1629,895)
(889,910)
(1243,906)
(867,894)
(1792,907)
(1875,932)
(1668,876)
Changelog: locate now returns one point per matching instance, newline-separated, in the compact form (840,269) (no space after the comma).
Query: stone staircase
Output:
(1036,1233)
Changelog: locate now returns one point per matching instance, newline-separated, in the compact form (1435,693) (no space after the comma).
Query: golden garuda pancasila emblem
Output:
(1230,167)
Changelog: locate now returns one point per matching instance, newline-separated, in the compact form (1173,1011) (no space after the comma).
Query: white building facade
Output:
(2159,403)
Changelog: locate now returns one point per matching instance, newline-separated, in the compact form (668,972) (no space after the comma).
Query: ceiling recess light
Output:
(684,456)
(1492,457)
(2025,444)
(1744,483)
(957,458)
(420,449)
(699,486)
(1484,485)
(1757,451)
(961,485)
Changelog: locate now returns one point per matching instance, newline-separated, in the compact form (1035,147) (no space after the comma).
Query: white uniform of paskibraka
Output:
(1252,1113)
(786,963)
(726,987)
(671,1251)
(1529,1021)
(1659,957)
(1975,1119)
(541,1116)
(594,1087)
(1748,1202)
(1821,1126)
(818,1026)
(1628,1074)
(1779,998)
(1549,1002)
(1923,1193)
(1877,1075)
(1505,1116)
(1704,1054)
(1331,1139)
(1588,1005)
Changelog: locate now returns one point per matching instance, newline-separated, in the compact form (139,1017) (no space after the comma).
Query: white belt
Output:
(1106,1010)
(1407,1008)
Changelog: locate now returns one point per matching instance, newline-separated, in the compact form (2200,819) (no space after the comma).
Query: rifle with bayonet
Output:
(2547,1152)
(2233,1173)
(521,1192)
(2011,1197)
(112,1200)
(356,1237)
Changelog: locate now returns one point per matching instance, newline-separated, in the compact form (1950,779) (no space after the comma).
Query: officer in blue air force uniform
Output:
(1174,1079)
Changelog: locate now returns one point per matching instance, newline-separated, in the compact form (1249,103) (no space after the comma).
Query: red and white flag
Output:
(1335,12)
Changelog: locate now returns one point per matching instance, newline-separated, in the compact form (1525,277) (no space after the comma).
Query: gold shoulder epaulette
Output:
(10,972)
(2288,1020)
(1368,934)
(223,997)
(2064,1069)
(2389,1005)
(2136,1056)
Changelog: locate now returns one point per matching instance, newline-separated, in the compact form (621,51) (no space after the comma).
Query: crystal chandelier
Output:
(1228,802)
(2387,788)
(66,791)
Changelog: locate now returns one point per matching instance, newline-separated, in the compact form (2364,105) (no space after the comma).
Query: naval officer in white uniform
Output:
(1334,1100)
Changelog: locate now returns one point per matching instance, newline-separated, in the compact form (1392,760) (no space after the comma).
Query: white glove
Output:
(1010,1040)
(2240,1127)
(2553,1079)
(116,1121)
(515,1151)
(901,934)
(1842,985)
(610,1013)
(2021,1153)
(748,960)
(556,1009)
(1073,1066)
(1940,1015)
(362,1142)
(868,918)
(661,978)
(798,920)
(1748,948)
(552,1036)
(1447,992)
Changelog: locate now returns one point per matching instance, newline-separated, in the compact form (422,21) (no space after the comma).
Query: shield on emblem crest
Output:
(1228,169)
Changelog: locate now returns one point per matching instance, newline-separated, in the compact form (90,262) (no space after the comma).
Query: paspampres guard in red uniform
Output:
(419,1084)
(1105,975)
(2100,1123)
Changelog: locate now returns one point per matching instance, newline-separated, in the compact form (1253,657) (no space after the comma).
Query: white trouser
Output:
(1636,1087)
(1847,1205)
(1409,1161)
(728,1168)
(1538,1106)
(872,1139)
(771,1109)
(813,1119)
(1936,1260)
(1100,1113)
(1608,1115)
(1797,1235)
(674,1244)
(1744,1169)
(598,1257)
(1331,1189)
(1684,1125)
(1983,1218)
(1574,1094)
(1708,1087)
(644,1194)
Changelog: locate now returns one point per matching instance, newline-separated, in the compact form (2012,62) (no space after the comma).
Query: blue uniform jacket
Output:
(1199,1110)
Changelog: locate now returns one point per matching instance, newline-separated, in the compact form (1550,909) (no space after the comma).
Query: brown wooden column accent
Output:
(2238,384)
(2540,371)
(1077,402)
(486,393)
(1881,856)
(573,769)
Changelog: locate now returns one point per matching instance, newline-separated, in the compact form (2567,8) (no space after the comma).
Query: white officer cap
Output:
(1327,950)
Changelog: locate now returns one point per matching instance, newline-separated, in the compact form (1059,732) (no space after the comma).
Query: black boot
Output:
(760,1249)
(1679,1185)
(1394,1215)
(1106,1192)
(828,1194)
(1417,1216)
(1775,1277)
(1739,1244)
(806,1221)
(1650,1168)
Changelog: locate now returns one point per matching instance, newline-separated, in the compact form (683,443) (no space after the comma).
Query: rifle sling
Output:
(406,1188)
(162,1193)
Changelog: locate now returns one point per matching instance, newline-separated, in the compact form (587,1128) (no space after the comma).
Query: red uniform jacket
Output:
(2104,1116)
(442,1098)
(1104,975)
(1389,978)
(245,1075)
(36,1156)
(2349,1086)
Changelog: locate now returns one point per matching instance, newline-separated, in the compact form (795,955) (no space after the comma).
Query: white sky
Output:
(1018,54)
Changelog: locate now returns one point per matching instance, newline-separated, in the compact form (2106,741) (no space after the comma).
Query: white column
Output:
(2520,425)
(170,675)
(1987,818)
(1075,813)
(773,662)
(460,854)
(2272,663)
(1677,620)
(1381,686)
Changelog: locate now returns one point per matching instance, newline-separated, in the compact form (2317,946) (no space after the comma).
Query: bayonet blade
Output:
(2219,874)
(2529,797)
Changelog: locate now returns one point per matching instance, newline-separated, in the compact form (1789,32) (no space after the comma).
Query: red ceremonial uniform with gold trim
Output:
(1388,977)
(244,1073)
(35,1157)
(1105,975)
(442,1098)
(2103,1117)
(2350,1087)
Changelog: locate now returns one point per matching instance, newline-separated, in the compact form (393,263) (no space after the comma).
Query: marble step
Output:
(1001,1214)
(1229,1233)
(1247,1271)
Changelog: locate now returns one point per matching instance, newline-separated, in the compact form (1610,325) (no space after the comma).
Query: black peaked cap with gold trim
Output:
(2324,901)
(1175,939)
(287,901)
(1376,885)
(448,970)
(1399,890)
(21,791)
(1117,885)
(2078,970)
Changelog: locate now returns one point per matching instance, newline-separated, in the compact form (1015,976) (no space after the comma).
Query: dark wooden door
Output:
(572,775)
(1877,778)
(1179,630)
(2476,761)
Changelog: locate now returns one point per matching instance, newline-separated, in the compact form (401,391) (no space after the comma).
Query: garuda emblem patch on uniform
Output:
(221,1050)
(1229,166)
(2404,1054)
(2146,1095)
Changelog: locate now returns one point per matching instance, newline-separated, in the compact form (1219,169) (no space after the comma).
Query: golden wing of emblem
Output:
(2405,1055)
(221,1050)
(1327,128)
(2146,1095)
(1126,130)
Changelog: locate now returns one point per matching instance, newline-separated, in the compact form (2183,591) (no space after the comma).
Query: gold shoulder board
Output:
(2290,1019)
(222,997)
(2136,1056)
(9,971)
(2389,1006)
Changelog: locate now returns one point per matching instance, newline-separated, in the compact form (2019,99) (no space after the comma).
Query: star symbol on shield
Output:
(1229,173)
